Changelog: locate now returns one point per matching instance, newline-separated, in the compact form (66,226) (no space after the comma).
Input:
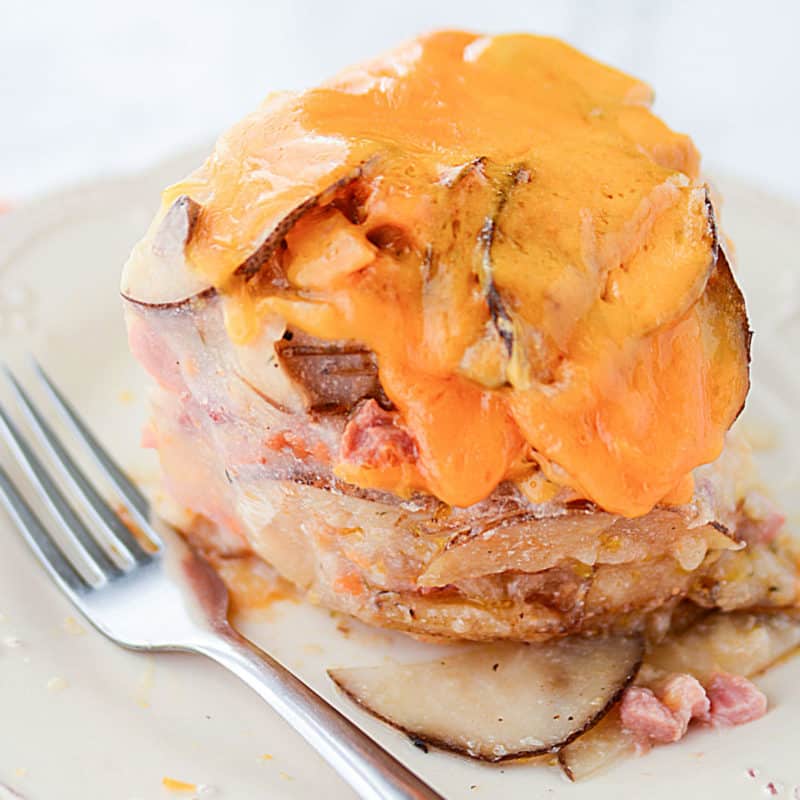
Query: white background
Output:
(98,87)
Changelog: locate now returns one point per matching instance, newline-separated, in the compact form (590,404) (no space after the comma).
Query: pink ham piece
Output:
(685,697)
(373,439)
(648,719)
(735,700)
(665,716)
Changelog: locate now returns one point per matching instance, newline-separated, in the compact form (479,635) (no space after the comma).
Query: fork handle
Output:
(369,769)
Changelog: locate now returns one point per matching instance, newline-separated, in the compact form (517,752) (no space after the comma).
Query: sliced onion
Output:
(500,701)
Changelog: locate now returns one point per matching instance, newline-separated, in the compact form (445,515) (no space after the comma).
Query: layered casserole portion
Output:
(453,342)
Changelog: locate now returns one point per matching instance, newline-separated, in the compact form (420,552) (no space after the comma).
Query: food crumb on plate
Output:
(73,627)
(12,641)
(20,772)
(266,757)
(57,684)
(173,785)
(773,789)
(286,776)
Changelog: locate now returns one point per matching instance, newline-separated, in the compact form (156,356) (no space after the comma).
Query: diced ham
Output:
(664,715)
(372,438)
(648,719)
(735,700)
(685,696)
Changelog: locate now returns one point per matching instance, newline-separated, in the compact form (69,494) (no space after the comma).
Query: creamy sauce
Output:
(529,261)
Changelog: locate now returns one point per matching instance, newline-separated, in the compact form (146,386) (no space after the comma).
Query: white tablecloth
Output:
(93,87)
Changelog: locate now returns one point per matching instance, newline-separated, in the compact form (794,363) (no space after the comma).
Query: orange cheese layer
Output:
(530,262)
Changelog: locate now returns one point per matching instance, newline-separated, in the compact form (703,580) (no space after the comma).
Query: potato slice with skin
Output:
(157,274)
(606,743)
(596,538)
(740,643)
(500,701)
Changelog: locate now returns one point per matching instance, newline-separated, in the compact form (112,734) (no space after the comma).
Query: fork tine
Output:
(116,530)
(132,498)
(39,540)
(73,526)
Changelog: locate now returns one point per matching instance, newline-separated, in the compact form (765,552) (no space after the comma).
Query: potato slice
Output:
(606,743)
(534,545)
(500,701)
(742,643)
(157,274)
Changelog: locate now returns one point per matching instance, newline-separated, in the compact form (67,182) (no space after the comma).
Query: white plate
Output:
(126,720)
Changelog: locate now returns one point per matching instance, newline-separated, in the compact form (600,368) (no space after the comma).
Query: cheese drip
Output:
(527,249)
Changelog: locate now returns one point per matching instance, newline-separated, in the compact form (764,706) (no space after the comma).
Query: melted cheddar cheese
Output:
(527,249)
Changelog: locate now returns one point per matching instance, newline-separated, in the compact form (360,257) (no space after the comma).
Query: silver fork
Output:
(169,598)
